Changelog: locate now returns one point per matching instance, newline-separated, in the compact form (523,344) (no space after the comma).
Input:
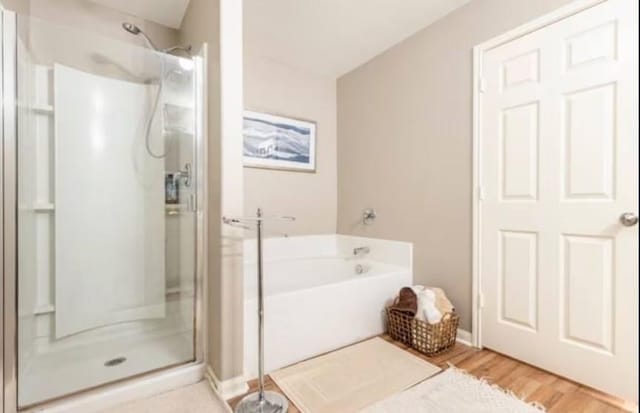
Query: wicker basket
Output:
(427,338)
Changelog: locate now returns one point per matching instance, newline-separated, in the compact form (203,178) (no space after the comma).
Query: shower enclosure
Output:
(101,182)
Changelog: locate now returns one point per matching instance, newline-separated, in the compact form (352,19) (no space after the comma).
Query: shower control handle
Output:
(184,175)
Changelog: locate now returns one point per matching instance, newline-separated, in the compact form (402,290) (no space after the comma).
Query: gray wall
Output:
(405,141)
(274,88)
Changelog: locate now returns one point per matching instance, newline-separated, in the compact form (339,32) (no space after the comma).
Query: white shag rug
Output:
(453,390)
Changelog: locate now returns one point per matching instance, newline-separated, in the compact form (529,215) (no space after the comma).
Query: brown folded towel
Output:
(407,302)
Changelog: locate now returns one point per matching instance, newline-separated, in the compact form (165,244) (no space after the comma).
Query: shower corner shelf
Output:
(174,209)
(179,290)
(178,131)
(46,109)
(37,108)
(44,309)
(179,106)
(43,207)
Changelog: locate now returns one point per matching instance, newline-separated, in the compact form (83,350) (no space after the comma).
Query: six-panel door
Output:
(559,145)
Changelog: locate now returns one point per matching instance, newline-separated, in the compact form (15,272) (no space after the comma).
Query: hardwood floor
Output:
(533,385)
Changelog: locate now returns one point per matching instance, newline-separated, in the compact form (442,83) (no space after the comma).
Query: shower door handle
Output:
(191,203)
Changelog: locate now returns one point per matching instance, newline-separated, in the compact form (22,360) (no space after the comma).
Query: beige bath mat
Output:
(453,391)
(352,378)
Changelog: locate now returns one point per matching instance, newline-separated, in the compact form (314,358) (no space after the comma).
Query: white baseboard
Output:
(464,337)
(229,388)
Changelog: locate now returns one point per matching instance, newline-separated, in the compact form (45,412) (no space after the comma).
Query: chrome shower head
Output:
(131,28)
(136,31)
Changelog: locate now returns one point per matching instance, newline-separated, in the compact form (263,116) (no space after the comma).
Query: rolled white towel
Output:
(431,312)
(418,289)
(427,310)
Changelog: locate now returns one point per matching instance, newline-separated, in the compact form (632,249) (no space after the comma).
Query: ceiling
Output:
(332,37)
(166,12)
(325,37)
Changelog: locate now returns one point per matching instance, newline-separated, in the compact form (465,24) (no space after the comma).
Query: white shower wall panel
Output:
(109,204)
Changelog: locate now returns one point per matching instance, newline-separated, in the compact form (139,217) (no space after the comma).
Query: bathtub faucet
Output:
(361,251)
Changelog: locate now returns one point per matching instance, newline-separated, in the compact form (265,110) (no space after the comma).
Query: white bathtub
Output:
(315,301)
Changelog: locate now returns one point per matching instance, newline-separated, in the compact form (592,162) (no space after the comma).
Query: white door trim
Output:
(478,54)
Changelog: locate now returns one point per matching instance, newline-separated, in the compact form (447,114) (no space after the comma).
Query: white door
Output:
(558,167)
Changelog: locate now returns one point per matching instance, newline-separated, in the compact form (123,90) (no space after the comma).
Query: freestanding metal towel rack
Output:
(261,401)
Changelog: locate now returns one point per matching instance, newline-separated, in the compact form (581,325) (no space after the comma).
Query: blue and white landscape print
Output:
(277,142)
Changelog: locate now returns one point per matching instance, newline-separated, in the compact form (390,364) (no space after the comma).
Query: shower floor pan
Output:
(58,373)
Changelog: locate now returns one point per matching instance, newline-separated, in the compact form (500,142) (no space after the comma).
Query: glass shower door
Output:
(106,228)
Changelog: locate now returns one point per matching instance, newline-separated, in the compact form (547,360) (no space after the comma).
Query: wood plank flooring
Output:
(555,393)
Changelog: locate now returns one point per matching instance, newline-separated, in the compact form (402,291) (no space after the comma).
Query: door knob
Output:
(628,219)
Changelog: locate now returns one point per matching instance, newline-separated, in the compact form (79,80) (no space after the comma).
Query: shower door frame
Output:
(2,123)
(9,208)
(8,233)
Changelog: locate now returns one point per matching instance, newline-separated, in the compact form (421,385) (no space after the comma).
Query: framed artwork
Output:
(278,142)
